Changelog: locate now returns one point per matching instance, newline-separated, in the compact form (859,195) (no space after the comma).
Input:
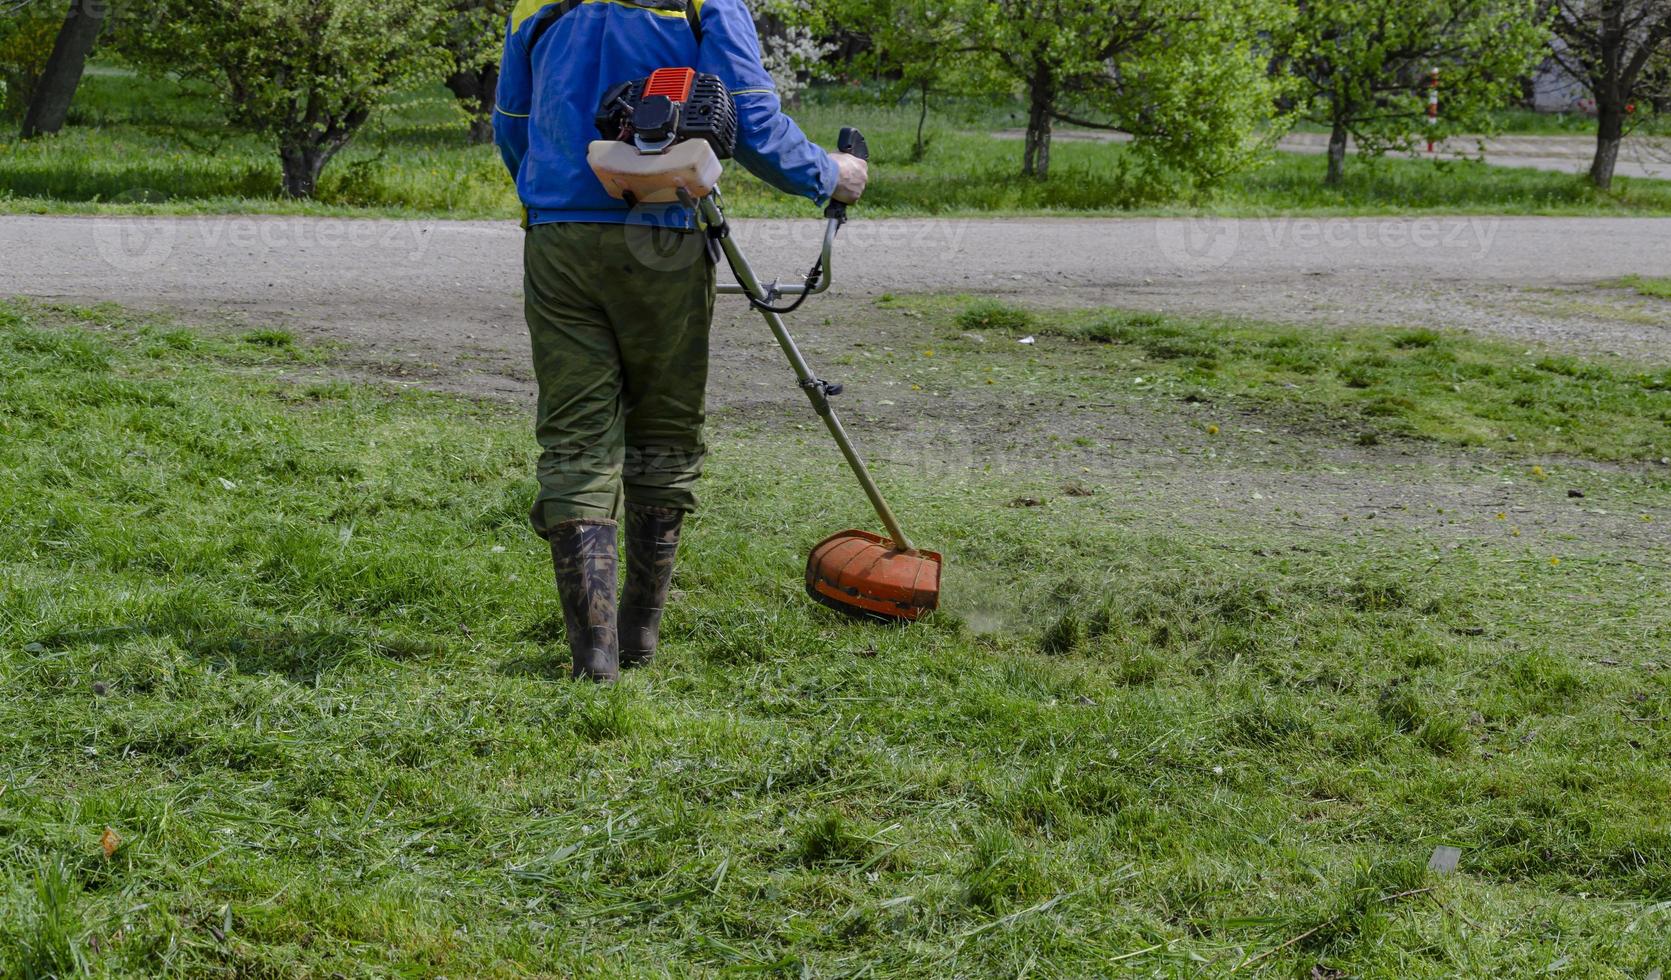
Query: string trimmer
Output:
(663,139)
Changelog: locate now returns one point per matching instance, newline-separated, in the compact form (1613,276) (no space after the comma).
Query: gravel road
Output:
(447,292)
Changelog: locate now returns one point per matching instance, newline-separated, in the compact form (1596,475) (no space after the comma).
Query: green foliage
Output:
(162,145)
(1184,78)
(921,47)
(474,35)
(26,39)
(305,74)
(475,32)
(1363,66)
(1196,96)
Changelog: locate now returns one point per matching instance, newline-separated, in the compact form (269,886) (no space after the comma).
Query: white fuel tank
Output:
(654,178)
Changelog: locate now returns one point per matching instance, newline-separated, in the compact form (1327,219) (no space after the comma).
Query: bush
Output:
(25,43)
(321,69)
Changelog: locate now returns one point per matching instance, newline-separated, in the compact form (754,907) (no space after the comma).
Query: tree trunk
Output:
(1610,132)
(1035,161)
(303,153)
(50,103)
(919,151)
(302,165)
(1337,155)
(475,90)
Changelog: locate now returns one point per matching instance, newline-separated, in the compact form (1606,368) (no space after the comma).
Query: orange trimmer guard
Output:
(863,574)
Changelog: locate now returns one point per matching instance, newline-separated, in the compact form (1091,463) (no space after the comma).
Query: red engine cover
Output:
(675,83)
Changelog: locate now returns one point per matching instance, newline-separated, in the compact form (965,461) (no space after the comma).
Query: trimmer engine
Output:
(670,106)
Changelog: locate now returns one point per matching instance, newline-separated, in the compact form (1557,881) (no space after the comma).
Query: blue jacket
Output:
(546,102)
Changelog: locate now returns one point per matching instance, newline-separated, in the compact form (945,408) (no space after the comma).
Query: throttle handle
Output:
(850,141)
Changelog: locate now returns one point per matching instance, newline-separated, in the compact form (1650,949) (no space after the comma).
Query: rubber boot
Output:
(583,557)
(652,542)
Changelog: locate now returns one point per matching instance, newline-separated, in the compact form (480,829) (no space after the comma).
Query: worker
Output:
(619,301)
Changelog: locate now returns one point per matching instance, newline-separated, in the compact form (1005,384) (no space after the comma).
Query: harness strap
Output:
(548,15)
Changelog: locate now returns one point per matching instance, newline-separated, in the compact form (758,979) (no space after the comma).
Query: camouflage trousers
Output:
(618,317)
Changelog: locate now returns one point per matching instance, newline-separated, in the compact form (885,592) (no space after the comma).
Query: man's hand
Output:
(851,177)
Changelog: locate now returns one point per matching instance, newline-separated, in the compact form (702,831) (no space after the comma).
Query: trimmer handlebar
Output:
(850,141)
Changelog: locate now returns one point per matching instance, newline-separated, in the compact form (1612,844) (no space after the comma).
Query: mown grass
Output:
(1657,288)
(1372,382)
(144,146)
(288,638)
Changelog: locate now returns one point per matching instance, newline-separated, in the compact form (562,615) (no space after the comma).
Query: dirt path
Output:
(442,298)
(437,304)
(1151,458)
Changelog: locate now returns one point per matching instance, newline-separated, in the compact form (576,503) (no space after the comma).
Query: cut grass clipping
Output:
(281,694)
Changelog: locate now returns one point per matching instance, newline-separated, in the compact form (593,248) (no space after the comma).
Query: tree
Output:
(27,33)
(920,46)
(475,36)
(1181,77)
(305,73)
(1622,48)
(1365,67)
(49,104)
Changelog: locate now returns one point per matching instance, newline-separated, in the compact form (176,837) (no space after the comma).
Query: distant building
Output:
(1554,89)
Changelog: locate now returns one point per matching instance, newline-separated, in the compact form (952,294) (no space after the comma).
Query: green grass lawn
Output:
(1530,122)
(138,145)
(288,638)
(1526,122)
(1366,384)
